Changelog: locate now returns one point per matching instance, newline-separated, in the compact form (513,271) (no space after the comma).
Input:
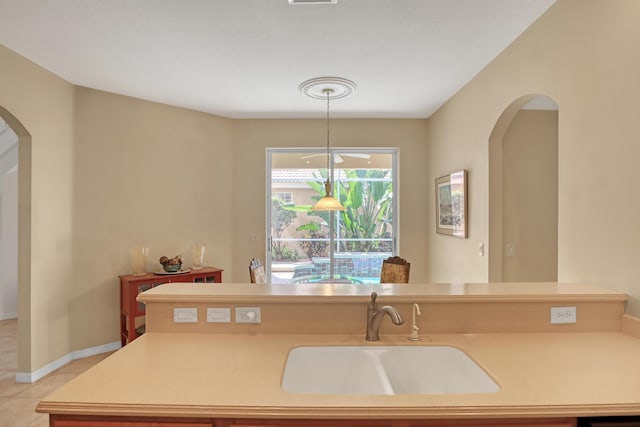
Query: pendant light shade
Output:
(328,202)
(330,87)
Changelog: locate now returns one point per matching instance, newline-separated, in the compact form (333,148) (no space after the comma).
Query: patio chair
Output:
(395,270)
(256,271)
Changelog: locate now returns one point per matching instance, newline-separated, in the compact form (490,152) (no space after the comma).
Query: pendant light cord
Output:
(331,88)
(328,92)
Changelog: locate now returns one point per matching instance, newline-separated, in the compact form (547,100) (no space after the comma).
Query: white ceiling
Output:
(246,58)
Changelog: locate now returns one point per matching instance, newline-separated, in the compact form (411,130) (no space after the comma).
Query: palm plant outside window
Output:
(345,246)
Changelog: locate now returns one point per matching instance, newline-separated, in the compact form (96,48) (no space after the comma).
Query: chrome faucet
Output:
(375,315)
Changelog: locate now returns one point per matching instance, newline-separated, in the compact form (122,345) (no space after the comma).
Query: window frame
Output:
(395,203)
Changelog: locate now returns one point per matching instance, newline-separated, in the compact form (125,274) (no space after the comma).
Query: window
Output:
(349,246)
(284,196)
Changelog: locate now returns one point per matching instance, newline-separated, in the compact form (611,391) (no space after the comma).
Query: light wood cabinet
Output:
(131,286)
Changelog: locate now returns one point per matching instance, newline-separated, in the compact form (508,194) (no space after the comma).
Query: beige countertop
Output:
(233,369)
(347,293)
(231,375)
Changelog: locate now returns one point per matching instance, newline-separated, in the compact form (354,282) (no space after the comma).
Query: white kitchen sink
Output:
(380,370)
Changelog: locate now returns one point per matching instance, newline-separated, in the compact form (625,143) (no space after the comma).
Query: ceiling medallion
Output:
(331,87)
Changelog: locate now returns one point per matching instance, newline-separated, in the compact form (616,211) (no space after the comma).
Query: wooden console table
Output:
(131,286)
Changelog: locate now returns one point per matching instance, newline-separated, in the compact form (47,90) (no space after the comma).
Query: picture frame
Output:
(451,204)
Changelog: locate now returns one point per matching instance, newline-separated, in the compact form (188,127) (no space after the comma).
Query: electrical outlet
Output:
(563,315)
(218,315)
(185,315)
(248,315)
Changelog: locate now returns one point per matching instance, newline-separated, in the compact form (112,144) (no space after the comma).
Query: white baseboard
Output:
(7,316)
(31,377)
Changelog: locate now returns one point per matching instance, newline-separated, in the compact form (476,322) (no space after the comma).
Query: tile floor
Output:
(18,401)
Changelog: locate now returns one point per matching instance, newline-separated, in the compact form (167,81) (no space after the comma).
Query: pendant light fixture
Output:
(328,88)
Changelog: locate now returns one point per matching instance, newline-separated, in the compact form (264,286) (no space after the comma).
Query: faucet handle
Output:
(414,329)
(373,305)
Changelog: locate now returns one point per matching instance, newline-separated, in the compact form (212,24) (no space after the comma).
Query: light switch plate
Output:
(185,315)
(510,249)
(218,315)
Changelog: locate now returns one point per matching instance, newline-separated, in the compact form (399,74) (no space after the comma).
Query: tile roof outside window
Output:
(302,175)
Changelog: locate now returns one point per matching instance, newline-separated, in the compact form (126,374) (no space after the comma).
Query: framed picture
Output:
(451,204)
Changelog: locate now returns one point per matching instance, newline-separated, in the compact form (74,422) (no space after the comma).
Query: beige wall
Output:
(582,54)
(154,175)
(144,174)
(255,136)
(39,108)
(115,172)
(530,197)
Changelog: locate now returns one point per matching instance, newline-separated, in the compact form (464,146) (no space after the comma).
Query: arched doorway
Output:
(24,239)
(8,222)
(523,188)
